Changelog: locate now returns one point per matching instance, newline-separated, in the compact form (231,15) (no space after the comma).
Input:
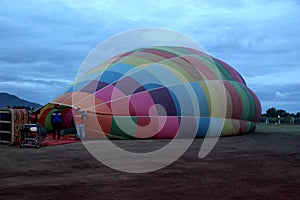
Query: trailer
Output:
(12,122)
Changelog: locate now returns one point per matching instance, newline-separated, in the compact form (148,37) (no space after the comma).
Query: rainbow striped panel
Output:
(157,92)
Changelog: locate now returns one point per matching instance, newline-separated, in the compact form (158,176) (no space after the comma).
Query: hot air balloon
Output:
(154,92)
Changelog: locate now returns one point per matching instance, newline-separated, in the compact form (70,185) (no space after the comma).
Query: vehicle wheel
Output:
(37,145)
(21,145)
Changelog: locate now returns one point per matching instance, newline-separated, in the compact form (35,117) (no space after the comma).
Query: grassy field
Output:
(273,128)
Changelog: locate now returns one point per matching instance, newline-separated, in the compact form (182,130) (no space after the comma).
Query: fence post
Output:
(292,121)
(267,121)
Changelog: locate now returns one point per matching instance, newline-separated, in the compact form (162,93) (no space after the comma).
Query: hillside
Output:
(12,100)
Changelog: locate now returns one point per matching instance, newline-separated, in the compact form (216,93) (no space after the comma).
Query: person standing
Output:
(79,119)
(56,120)
(33,118)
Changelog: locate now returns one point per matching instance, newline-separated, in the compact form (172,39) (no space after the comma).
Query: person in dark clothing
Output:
(56,120)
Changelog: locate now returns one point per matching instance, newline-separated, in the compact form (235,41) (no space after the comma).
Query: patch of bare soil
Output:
(254,166)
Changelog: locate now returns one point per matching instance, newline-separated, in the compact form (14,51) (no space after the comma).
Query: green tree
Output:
(271,112)
(281,113)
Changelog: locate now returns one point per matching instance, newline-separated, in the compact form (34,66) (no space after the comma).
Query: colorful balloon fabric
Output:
(45,116)
(155,92)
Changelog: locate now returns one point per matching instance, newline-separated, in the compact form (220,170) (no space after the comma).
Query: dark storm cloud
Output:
(43,43)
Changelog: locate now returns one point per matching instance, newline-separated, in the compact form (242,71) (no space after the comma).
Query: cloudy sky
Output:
(43,43)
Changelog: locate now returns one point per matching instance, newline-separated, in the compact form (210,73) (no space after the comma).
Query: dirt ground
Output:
(254,166)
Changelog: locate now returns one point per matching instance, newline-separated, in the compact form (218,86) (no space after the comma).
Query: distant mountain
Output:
(12,100)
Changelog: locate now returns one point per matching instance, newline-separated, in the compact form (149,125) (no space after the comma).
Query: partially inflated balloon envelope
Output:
(154,92)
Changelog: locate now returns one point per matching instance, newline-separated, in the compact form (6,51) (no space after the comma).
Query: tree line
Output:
(30,109)
(273,115)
